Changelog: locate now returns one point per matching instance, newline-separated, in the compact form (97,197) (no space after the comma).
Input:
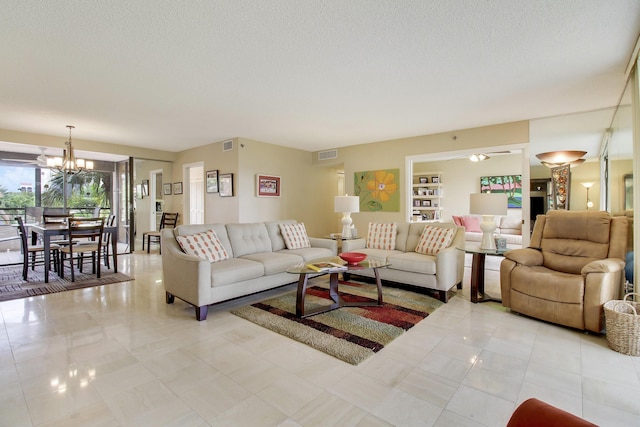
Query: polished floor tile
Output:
(118,355)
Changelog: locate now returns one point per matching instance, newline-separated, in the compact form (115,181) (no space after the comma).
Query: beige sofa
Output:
(440,272)
(258,261)
(509,227)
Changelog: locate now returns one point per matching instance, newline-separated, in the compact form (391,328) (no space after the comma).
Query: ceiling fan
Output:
(40,161)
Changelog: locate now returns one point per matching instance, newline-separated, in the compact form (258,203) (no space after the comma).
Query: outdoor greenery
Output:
(84,190)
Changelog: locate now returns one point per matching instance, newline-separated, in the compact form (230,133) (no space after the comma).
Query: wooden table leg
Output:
(302,290)
(477,277)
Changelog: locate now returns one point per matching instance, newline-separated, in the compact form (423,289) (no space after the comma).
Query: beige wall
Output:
(392,154)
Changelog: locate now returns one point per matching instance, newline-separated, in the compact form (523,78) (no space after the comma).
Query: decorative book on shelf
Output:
(326,267)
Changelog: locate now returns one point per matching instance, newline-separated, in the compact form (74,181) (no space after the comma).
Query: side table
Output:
(477,272)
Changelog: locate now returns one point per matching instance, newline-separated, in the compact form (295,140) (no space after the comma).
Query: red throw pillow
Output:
(457,220)
(472,223)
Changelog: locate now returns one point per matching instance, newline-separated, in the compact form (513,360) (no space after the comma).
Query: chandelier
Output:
(68,162)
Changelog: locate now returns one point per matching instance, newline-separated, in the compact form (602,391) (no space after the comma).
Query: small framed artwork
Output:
(267,186)
(225,183)
(145,187)
(423,180)
(435,179)
(177,188)
(416,203)
(212,181)
(166,189)
(426,203)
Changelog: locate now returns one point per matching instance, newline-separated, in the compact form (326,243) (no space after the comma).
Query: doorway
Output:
(195,192)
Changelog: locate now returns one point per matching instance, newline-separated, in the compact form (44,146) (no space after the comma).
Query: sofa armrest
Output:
(525,256)
(186,276)
(318,242)
(449,267)
(353,245)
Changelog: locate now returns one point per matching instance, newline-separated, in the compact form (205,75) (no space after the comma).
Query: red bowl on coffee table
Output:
(353,258)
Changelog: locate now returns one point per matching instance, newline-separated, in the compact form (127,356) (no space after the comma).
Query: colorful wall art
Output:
(509,184)
(378,190)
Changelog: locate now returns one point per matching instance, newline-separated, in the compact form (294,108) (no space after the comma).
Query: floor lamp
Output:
(488,205)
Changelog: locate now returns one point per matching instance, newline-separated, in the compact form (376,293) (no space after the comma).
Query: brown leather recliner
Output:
(575,263)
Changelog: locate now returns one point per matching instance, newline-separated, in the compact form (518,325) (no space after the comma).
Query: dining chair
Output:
(33,254)
(168,220)
(89,229)
(106,240)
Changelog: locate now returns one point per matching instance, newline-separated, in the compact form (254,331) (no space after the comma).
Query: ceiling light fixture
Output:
(478,157)
(68,162)
(553,159)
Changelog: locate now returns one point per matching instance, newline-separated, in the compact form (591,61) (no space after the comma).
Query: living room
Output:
(120,355)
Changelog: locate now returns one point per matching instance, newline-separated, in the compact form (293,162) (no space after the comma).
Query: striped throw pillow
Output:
(382,236)
(295,236)
(205,245)
(434,239)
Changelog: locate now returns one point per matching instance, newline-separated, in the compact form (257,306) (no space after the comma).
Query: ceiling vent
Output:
(327,155)
(227,145)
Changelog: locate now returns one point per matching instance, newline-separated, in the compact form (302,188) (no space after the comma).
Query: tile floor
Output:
(119,356)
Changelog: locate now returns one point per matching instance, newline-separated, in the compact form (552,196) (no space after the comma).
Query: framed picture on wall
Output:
(166,189)
(145,187)
(267,186)
(212,181)
(225,182)
(177,188)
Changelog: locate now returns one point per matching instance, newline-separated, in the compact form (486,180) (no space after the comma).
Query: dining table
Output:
(46,230)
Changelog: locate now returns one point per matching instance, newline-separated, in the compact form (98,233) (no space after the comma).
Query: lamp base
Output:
(488,226)
(346,225)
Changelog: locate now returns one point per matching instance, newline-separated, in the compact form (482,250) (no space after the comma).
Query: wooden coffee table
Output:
(305,272)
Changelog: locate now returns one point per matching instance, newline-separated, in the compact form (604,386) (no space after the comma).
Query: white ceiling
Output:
(308,74)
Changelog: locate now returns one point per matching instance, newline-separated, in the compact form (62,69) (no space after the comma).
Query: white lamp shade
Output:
(346,204)
(488,204)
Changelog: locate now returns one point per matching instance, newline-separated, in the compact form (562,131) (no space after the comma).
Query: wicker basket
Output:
(623,325)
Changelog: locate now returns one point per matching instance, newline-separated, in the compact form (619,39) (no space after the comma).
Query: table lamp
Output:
(347,205)
(488,205)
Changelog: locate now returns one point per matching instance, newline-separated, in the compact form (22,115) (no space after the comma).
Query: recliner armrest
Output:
(608,265)
(525,256)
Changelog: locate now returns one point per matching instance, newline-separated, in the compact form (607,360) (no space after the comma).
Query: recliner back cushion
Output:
(249,238)
(570,240)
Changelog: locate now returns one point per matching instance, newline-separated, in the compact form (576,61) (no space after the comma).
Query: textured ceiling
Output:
(308,74)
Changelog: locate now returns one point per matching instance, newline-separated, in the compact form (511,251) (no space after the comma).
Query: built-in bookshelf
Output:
(426,202)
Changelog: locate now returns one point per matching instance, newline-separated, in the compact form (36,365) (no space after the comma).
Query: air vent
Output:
(227,145)
(326,155)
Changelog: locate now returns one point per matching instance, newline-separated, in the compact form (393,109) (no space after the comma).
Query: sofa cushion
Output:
(275,235)
(471,223)
(204,245)
(434,239)
(248,238)
(510,225)
(275,262)
(309,254)
(235,270)
(412,262)
(382,236)
(295,236)
(220,229)
(457,220)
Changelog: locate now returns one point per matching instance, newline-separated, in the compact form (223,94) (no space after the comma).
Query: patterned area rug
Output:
(12,286)
(351,334)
